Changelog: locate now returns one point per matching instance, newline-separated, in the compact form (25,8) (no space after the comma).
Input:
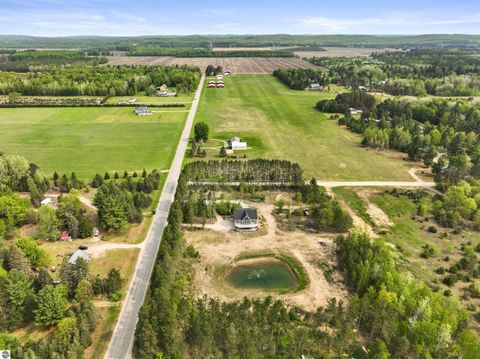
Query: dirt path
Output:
(87,202)
(413,172)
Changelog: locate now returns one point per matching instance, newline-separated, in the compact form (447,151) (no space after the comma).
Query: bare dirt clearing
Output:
(219,249)
(235,64)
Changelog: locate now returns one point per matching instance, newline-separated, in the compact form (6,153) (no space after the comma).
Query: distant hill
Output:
(208,41)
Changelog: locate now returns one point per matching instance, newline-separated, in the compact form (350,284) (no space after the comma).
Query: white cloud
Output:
(328,24)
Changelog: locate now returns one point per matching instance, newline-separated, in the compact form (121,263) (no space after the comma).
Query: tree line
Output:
(255,170)
(346,100)
(204,52)
(418,72)
(301,79)
(99,81)
(33,60)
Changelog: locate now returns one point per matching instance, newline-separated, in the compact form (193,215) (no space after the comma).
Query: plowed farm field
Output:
(241,65)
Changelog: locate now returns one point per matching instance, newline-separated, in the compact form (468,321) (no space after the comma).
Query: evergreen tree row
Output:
(255,170)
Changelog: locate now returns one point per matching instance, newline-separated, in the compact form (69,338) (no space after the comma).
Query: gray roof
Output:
(244,212)
(78,254)
(141,109)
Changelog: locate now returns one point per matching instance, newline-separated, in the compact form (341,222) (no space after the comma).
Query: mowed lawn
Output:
(281,123)
(91,140)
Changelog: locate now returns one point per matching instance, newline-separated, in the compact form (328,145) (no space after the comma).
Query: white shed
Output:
(46,201)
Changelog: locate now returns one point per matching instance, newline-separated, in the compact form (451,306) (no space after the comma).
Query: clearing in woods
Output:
(67,139)
(281,123)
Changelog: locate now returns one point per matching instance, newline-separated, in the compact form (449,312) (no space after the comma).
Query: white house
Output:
(143,111)
(46,201)
(245,220)
(236,144)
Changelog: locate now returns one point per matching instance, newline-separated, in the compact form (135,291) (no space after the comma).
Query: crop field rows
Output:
(235,64)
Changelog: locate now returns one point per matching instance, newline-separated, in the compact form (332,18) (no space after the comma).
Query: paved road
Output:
(122,339)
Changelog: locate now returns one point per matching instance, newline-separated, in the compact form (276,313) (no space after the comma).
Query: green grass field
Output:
(90,140)
(281,123)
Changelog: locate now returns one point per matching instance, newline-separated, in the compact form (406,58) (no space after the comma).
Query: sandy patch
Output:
(218,250)
(379,217)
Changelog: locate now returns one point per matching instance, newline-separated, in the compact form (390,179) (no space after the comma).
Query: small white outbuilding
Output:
(46,201)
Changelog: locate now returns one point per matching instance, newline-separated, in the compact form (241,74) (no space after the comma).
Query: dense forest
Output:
(389,313)
(124,43)
(418,72)
(99,81)
(32,60)
(199,52)
(121,201)
(301,79)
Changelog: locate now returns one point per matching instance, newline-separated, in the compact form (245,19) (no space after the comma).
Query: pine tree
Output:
(51,304)
(43,279)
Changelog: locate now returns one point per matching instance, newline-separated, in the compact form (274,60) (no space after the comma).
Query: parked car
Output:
(154,212)
(83,247)
(96,232)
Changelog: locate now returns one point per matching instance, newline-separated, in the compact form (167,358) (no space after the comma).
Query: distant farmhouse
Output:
(354,111)
(245,220)
(163,91)
(130,101)
(236,144)
(143,111)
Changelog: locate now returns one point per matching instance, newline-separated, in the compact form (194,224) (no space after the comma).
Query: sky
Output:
(177,17)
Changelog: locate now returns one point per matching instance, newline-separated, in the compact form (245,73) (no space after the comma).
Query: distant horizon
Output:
(56,18)
(246,34)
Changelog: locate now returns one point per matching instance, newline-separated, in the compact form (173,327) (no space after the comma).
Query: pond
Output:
(262,274)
